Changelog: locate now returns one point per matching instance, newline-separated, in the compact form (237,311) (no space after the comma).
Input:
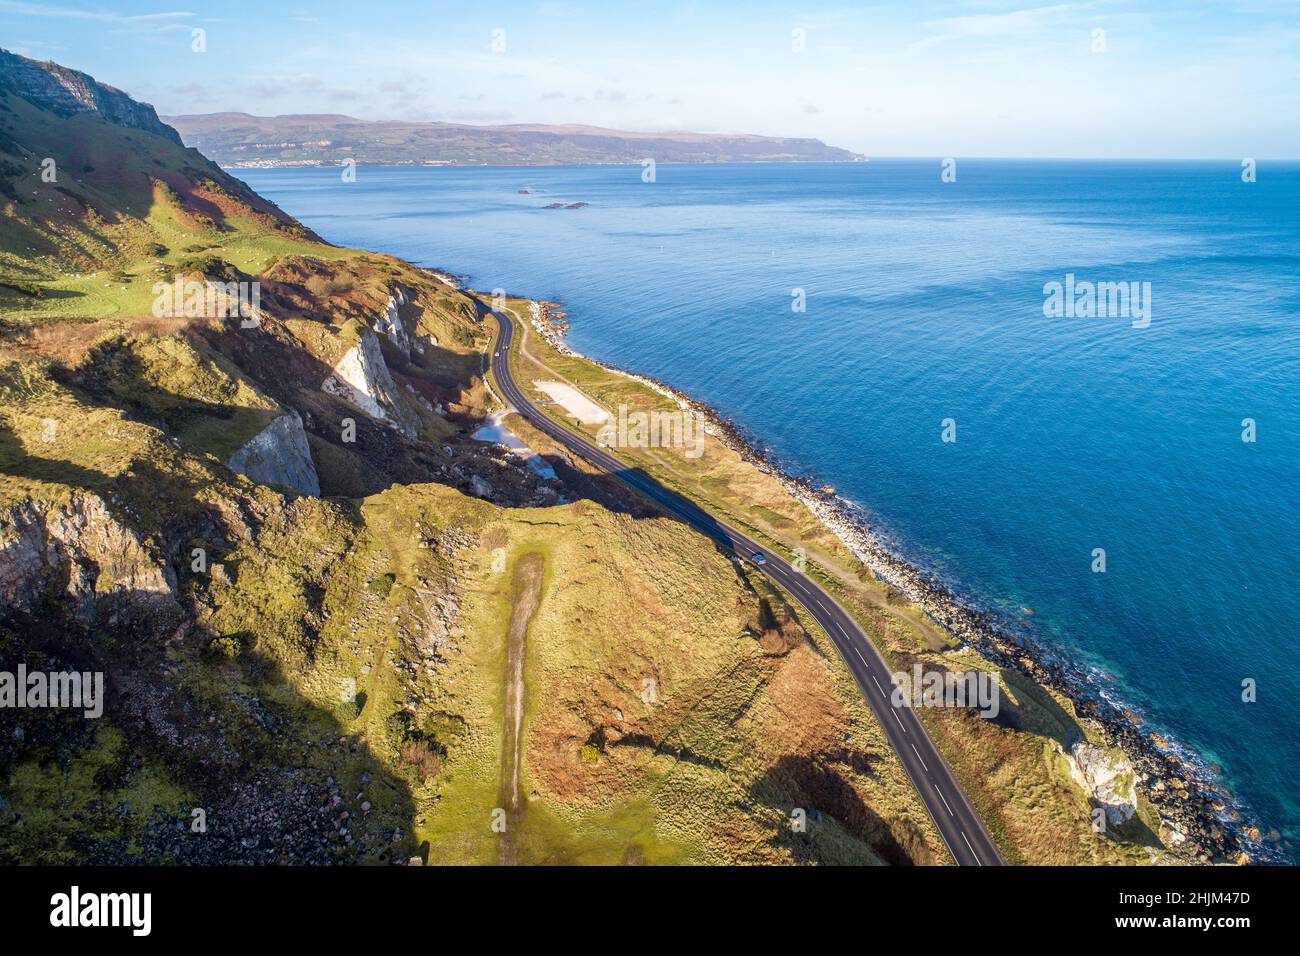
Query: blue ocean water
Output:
(925,302)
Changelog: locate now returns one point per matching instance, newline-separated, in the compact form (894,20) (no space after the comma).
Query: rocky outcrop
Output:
(1108,779)
(80,552)
(279,455)
(550,324)
(390,323)
(362,378)
(67,92)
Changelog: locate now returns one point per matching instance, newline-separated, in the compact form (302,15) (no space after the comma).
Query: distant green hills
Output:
(239,139)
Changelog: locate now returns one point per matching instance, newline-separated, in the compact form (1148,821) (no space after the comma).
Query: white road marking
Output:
(945,802)
(971,848)
(918,755)
(899,719)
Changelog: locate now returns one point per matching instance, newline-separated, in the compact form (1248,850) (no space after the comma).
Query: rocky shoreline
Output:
(1200,822)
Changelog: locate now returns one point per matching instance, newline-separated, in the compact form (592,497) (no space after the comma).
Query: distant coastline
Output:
(439,164)
(244,141)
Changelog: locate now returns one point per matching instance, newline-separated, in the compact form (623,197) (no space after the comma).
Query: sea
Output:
(1070,389)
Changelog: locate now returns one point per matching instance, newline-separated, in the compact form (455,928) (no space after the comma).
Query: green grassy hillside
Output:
(302,678)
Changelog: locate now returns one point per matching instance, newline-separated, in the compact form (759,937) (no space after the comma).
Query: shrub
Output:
(419,756)
(24,381)
(224,648)
(23,286)
(209,266)
(324,287)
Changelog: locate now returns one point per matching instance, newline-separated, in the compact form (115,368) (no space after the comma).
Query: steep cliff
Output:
(390,323)
(362,378)
(79,552)
(67,92)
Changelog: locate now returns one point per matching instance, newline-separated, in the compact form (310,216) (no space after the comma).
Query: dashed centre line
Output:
(918,755)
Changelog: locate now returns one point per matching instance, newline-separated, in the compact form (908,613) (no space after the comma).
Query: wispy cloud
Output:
(1006,24)
(43,10)
(934,77)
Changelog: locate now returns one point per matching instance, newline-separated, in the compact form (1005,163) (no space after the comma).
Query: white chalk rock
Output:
(362,378)
(390,323)
(1108,778)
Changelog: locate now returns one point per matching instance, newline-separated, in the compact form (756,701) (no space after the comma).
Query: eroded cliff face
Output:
(68,92)
(279,455)
(390,323)
(362,378)
(81,552)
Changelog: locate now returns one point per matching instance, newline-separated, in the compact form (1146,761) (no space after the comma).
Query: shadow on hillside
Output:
(10,296)
(1037,713)
(16,460)
(113,376)
(443,372)
(270,773)
(1135,831)
(820,785)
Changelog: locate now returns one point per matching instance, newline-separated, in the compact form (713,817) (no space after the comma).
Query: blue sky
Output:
(1195,79)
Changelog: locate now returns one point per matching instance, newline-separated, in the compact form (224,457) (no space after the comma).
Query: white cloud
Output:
(41,10)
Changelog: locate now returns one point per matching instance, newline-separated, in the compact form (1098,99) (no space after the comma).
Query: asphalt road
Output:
(958,823)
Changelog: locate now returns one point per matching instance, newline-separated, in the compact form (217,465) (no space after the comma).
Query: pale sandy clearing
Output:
(575,403)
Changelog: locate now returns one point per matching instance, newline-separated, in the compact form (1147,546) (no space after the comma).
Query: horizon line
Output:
(434,164)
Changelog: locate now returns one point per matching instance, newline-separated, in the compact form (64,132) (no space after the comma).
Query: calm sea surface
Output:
(925,302)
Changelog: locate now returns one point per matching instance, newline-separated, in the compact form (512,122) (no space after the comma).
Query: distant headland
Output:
(243,140)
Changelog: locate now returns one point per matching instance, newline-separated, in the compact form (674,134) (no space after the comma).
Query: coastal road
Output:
(960,826)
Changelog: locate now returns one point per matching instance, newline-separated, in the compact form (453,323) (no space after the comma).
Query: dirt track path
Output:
(525,596)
